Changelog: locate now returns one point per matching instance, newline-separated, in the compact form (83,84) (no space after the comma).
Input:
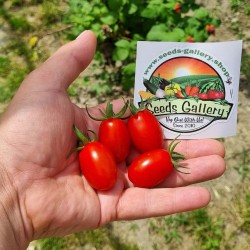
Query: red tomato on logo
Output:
(145,131)
(113,133)
(203,96)
(214,94)
(150,169)
(98,166)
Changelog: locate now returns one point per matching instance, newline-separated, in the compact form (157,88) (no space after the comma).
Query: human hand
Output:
(48,195)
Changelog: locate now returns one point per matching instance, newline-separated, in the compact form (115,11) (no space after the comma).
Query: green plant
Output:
(241,213)
(246,215)
(245,65)
(53,243)
(101,238)
(12,78)
(17,56)
(17,23)
(51,12)
(243,167)
(206,230)
(240,5)
(120,24)
(5,65)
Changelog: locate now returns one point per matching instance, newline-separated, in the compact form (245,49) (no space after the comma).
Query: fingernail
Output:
(81,34)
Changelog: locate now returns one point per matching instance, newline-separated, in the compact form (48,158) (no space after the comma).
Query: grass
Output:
(10,79)
(18,56)
(101,238)
(243,168)
(206,231)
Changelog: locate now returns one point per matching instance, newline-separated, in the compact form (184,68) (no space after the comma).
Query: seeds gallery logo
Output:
(187,89)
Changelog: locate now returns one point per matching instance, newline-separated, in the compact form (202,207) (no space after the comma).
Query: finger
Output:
(197,148)
(200,169)
(64,66)
(139,203)
(191,149)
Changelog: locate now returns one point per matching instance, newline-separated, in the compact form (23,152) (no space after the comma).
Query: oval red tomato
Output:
(221,95)
(203,96)
(214,94)
(114,134)
(145,131)
(98,166)
(150,168)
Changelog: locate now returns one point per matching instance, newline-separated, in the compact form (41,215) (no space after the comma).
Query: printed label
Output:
(192,88)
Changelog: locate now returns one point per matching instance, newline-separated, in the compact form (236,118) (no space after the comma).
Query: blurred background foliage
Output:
(118,25)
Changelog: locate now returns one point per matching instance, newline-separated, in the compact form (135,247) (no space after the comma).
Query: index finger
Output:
(198,148)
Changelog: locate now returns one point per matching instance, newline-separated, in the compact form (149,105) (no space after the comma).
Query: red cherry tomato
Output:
(214,94)
(203,96)
(150,169)
(98,166)
(210,29)
(114,134)
(177,8)
(190,39)
(145,131)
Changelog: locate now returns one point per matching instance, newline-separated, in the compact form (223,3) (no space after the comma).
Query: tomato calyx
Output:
(109,112)
(84,139)
(176,157)
(134,110)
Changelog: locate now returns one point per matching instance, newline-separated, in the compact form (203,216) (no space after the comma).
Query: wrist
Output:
(12,230)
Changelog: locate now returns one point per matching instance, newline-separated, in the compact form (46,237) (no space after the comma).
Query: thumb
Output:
(58,72)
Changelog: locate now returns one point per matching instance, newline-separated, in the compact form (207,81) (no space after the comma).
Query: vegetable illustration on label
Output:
(189,88)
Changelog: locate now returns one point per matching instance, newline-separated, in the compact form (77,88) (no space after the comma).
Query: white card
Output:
(192,88)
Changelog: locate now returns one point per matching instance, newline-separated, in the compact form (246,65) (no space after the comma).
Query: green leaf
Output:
(129,69)
(120,54)
(201,13)
(133,8)
(200,36)
(170,5)
(109,19)
(153,10)
(179,33)
(156,32)
(122,43)
(193,22)
(148,13)
(159,33)
(115,5)
(215,22)
(96,27)
(138,37)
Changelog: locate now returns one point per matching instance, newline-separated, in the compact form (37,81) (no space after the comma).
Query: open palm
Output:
(54,198)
